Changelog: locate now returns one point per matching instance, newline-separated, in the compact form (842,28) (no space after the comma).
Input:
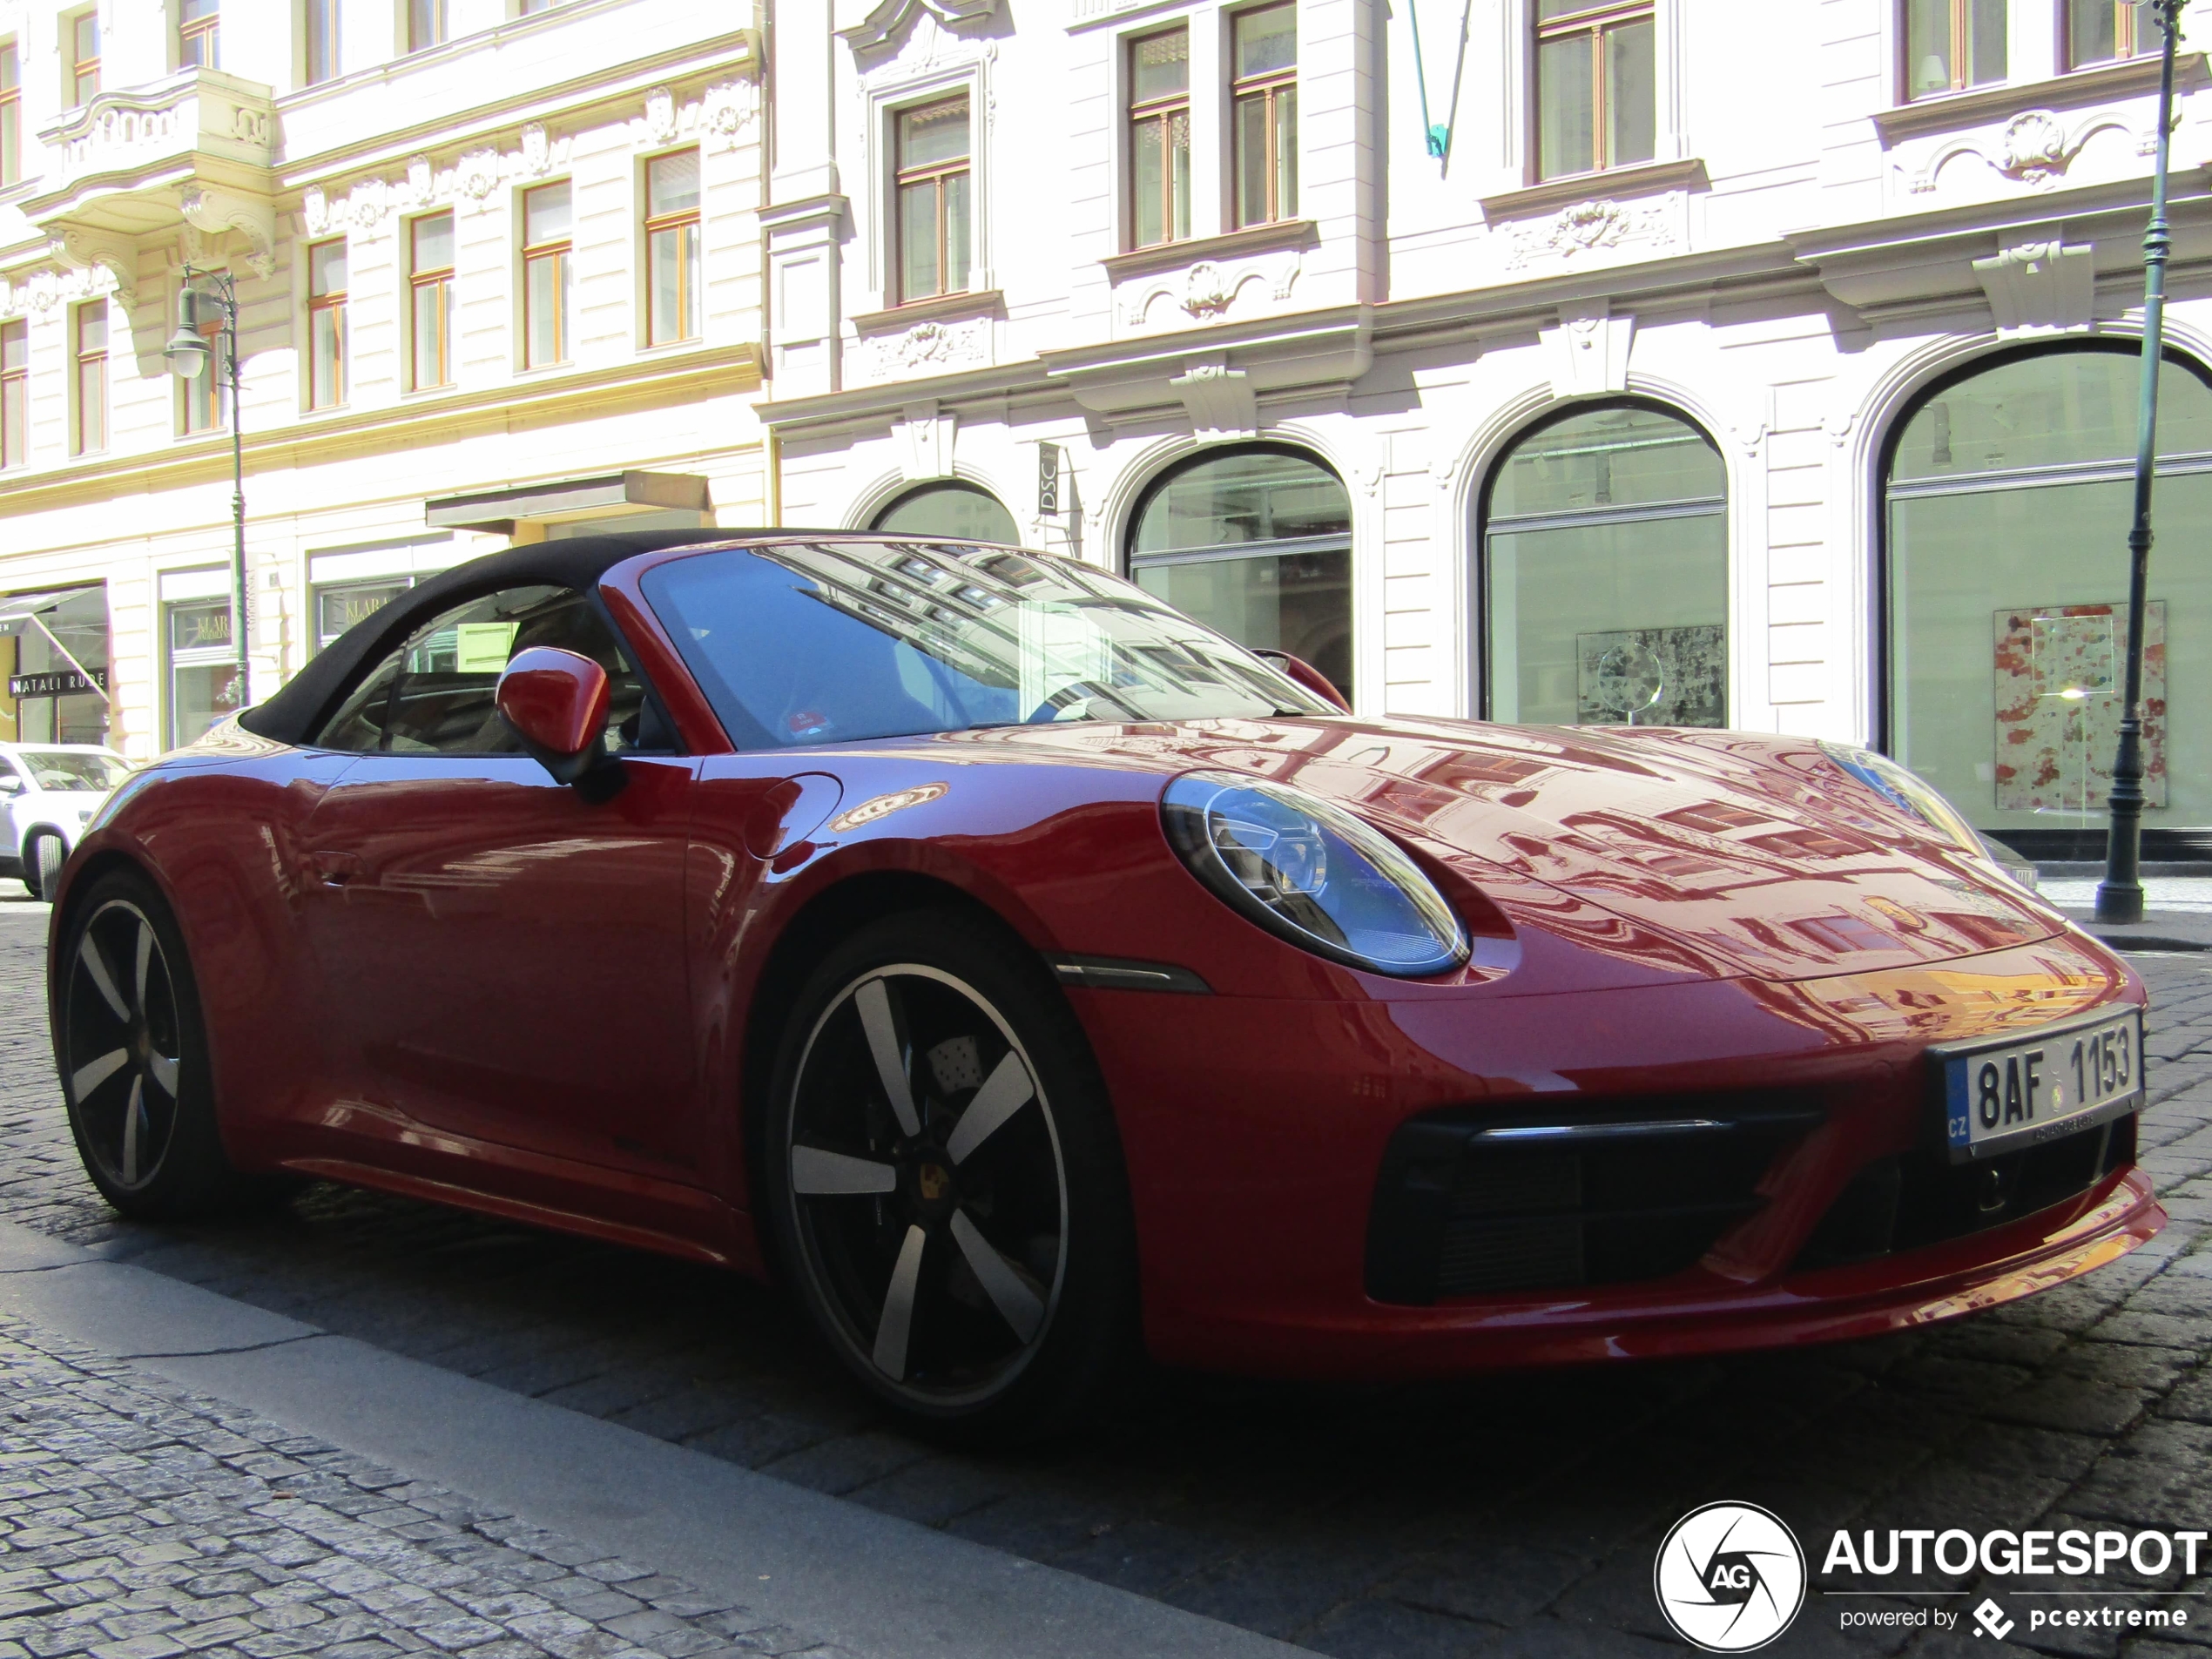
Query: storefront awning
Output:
(499,510)
(16,608)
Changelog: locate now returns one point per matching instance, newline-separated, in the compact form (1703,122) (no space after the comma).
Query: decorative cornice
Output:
(1652,178)
(1254,239)
(889,18)
(944,308)
(2127,78)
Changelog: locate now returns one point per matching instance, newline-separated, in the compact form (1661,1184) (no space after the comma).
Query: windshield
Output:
(72,769)
(825,642)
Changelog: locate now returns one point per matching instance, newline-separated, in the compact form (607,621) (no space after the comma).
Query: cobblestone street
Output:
(141,1522)
(1514,1515)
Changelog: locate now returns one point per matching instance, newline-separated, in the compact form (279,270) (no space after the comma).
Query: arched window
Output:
(1257,543)
(2009,493)
(1605,573)
(955,511)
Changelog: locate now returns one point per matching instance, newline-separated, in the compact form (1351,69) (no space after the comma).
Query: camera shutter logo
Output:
(1729,1577)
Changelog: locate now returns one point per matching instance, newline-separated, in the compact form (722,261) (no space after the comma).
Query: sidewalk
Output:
(140,1520)
(2177,911)
(181,1472)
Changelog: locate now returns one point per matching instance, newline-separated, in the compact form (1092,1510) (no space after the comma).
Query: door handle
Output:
(335,869)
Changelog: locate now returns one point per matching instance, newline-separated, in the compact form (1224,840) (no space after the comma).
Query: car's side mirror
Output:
(1305,674)
(556,702)
(10,785)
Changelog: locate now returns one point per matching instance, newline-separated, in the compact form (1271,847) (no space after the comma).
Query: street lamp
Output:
(2120,895)
(207,320)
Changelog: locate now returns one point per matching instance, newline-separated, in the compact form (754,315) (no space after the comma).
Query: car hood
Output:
(1714,853)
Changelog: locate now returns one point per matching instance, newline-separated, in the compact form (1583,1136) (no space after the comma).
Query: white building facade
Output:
(498,272)
(1695,361)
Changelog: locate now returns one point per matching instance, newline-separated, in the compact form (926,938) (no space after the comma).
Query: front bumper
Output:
(1256,1130)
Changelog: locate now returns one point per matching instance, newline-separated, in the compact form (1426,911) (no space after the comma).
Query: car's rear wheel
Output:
(42,865)
(133,1058)
(946,1182)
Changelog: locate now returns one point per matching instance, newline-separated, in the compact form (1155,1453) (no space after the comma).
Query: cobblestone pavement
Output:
(140,1520)
(1514,1515)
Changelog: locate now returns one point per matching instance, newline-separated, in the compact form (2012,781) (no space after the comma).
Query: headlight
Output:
(1912,794)
(1311,873)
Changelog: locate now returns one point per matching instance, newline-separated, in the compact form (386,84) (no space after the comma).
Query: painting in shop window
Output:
(2061,679)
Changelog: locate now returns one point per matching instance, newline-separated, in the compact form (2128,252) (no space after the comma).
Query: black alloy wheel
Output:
(950,1193)
(133,1059)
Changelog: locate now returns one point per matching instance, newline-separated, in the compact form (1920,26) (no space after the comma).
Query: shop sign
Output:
(67,683)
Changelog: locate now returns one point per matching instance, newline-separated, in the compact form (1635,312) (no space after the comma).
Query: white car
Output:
(50,791)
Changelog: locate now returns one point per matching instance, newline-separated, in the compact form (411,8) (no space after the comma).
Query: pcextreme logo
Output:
(1729,1577)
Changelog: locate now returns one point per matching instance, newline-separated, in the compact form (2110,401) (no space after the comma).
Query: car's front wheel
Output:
(41,864)
(946,1182)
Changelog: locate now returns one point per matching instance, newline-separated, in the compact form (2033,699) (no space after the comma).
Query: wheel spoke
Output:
(93,1073)
(96,965)
(133,1117)
(898,1307)
(878,1019)
(1005,1092)
(146,957)
(1016,1303)
(163,1070)
(819,1173)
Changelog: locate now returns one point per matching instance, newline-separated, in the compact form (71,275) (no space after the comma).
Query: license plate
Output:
(2002,1096)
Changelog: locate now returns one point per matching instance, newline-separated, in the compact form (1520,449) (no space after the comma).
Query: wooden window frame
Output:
(937,172)
(83,69)
(11,114)
(687,271)
(2127,41)
(1961,29)
(1597,19)
(317,305)
(436,23)
(318,30)
(1160,111)
(1266,88)
(190,33)
(562,251)
(19,379)
(81,361)
(418,280)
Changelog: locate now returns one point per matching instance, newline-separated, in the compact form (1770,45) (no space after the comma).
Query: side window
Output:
(436,694)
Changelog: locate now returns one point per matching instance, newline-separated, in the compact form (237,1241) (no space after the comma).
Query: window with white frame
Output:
(320,32)
(430,293)
(327,324)
(673,247)
(88,353)
(1597,85)
(198,33)
(81,53)
(1263,114)
(549,274)
(933,198)
(203,667)
(1159,136)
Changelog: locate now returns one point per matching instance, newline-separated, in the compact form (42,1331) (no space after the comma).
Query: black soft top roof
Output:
(299,708)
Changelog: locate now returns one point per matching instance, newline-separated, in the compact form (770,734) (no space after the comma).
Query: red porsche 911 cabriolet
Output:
(1028,977)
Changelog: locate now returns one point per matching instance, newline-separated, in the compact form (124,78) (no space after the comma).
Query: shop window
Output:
(327,324)
(81,47)
(549,274)
(1597,96)
(2101,31)
(1159,136)
(88,351)
(322,31)
(426,24)
(1264,116)
(15,393)
(430,289)
(1605,573)
(673,247)
(339,605)
(948,511)
(198,33)
(11,115)
(203,667)
(2009,494)
(1953,45)
(934,200)
(1256,544)
(58,690)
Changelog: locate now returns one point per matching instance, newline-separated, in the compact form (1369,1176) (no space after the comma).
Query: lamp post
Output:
(207,322)
(2120,895)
